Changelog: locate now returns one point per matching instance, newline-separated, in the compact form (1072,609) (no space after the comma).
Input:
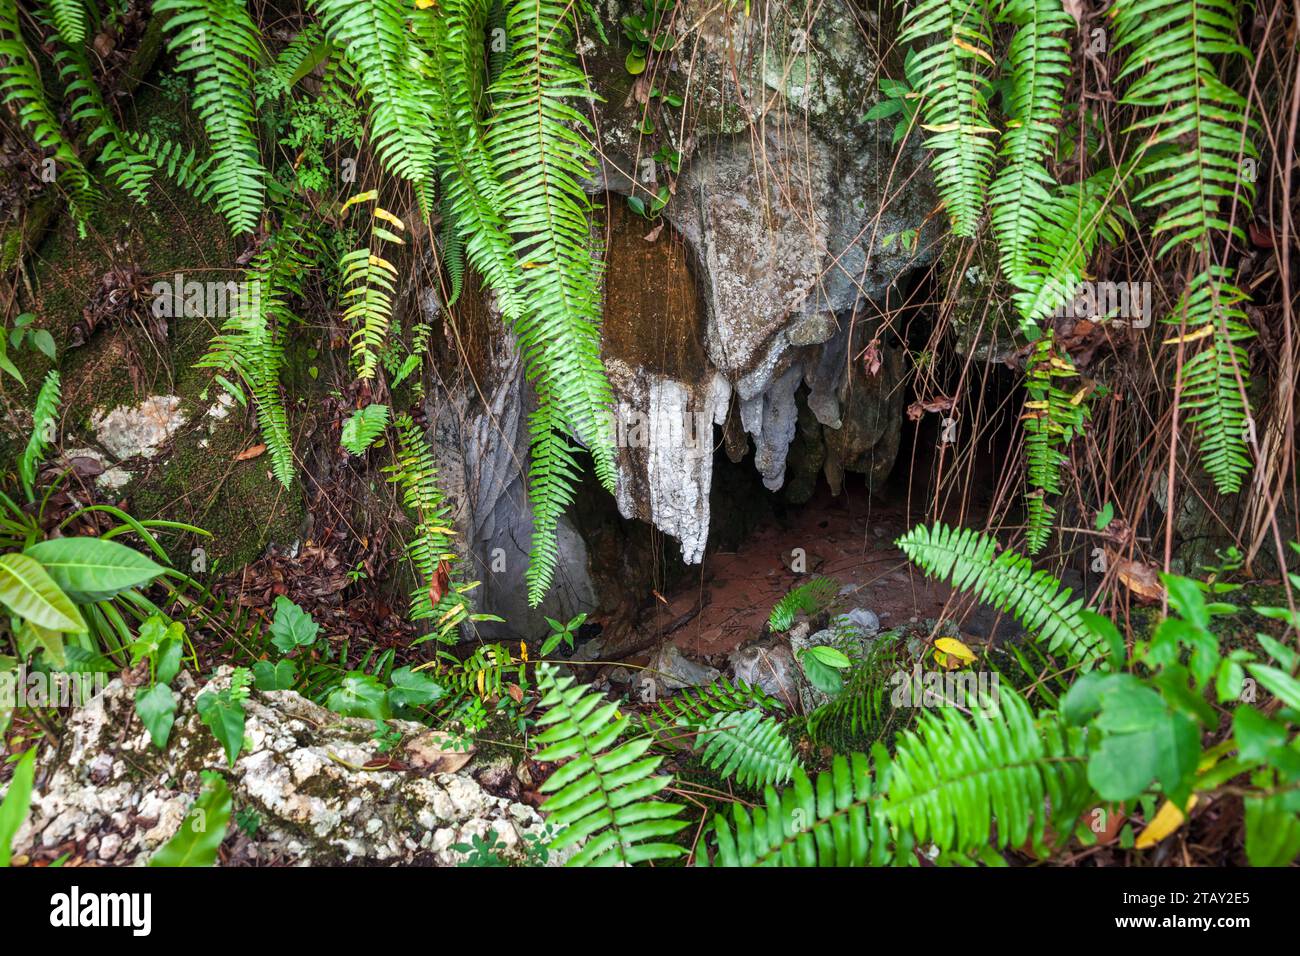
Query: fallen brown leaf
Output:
(1141,579)
(253,451)
(436,752)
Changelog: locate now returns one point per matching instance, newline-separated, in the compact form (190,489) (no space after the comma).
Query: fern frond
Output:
(810,597)
(435,597)
(1194,142)
(250,345)
(370,281)
(964,783)
(970,562)
(361,430)
(1037,65)
(1070,221)
(1210,388)
(748,744)
(600,796)
(170,158)
(695,706)
(21,89)
(954,101)
(69,17)
(130,168)
(217,41)
(805,825)
(967,785)
(45,418)
(1053,418)
(376,37)
(860,713)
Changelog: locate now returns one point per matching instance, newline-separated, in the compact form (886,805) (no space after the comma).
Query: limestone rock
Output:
(118,798)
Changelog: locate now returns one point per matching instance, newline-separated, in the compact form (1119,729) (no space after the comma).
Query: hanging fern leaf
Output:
(810,597)
(1214,378)
(1053,418)
(1069,221)
(250,345)
(1037,65)
(600,796)
(436,596)
(21,89)
(69,17)
(748,745)
(1193,145)
(45,419)
(361,430)
(217,42)
(954,101)
(376,37)
(970,561)
(370,281)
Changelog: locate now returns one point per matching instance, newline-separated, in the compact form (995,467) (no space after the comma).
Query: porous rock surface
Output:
(115,798)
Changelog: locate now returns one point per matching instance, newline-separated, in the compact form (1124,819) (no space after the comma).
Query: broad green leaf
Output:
(197,841)
(18,799)
(292,626)
(92,569)
(224,716)
(156,706)
(412,689)
(360,695)
(820,674)
(28,591)
(278,676)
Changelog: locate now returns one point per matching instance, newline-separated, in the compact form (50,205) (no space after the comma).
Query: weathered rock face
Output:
(741,306)
(117,798)
(787,211)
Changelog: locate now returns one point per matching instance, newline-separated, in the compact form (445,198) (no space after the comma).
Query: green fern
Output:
(216,40)
(21,89)
(130,168)
(1193,145)
(45,417)
(182,166)
(376,35)
(810,597)
(370,281)
(965,785)
(1210,388)
(1070,222)
(361,430)
(69,17)
(954,102)
(435,597)
(600,795)
(970,561)
(540,150)
(1037,65)
(860,713)
(749,745)
(250,345)
(1053,418)
(695,706)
